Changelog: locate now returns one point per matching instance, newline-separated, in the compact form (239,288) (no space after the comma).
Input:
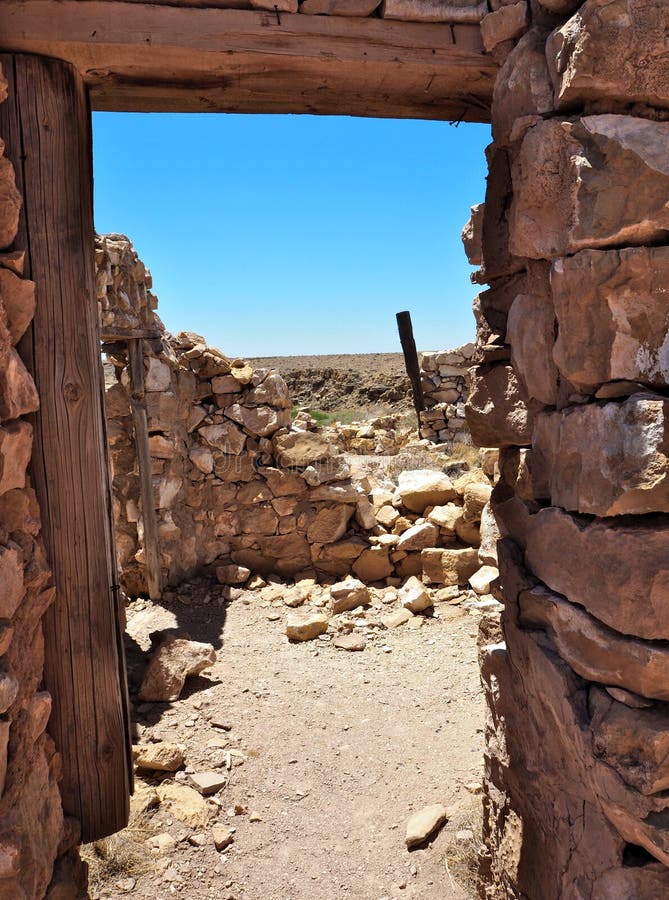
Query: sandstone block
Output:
(302,448)
(207,783)
(232,574)
(12,589)
(475,497)
(225,437)
(618,570)
(483,578)
(172,661)
(604,459)
(613,316)
(346,595)
(160,757)
(445,517)
(184,804)
(158,375)
(396,618)
(531,333)
(418,537)
(306,627)
(16,440)
(226,384)
(434,10)
(612,50)
(17,295)
(339,7)
(202,458)
(596,182)
(351,642)
(373,565)
(498,258)
(635,742)
(472,235)
(420,488)
(489,531)
(505,24)
(330,524)
(259,420)
(497,408)
(414,596)
(272,391)
(523,86)
(595,652)
(449,566)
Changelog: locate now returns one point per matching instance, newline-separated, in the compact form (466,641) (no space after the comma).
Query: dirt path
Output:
(340,748)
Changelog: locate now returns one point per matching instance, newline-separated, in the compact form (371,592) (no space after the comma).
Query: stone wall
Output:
(239,488)
(571,383)
(444,378)
(33,831)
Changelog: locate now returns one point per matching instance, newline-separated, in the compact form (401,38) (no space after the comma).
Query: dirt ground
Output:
(330,752)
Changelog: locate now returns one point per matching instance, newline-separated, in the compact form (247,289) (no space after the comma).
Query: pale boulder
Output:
(347,595)
(174,659)
(414,596)
(418,537)
(160,757)
(420,488)
(449,566)
(306,627)
(482,579)
(301,449)
(425,823)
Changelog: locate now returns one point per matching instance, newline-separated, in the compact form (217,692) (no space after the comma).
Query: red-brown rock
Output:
(599,181)
(17,295)
(18,395)
(613,316)
(16,441)
(612,50)
(618,569)
(522,87)
(497,411)
(594,651)
(604,459)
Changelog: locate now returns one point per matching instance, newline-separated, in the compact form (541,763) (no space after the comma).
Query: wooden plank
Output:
(138,407)
(411,361)
(46,125)
(144,57)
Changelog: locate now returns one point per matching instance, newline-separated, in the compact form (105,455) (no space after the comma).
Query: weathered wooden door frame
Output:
(46,124)
(148,56)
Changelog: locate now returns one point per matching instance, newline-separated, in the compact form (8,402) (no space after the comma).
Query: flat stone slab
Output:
(424,823)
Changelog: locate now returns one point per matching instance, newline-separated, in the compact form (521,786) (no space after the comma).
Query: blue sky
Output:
(279,235)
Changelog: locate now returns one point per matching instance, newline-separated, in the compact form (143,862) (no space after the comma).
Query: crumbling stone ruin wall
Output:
(444,379)
(240,489)
(571,383)
(33,831)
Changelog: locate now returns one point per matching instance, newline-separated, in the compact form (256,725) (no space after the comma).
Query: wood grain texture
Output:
(141,428)
(144,57)
(46,125)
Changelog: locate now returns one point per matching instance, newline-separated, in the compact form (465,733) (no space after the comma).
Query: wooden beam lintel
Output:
(143,57)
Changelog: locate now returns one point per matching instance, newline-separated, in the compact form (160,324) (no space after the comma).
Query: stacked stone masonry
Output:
(571,377)
(240,488)
(34,835)
(444,379)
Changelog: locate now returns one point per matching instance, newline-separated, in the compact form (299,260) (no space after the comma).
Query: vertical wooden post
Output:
(46,124)
(138,407)
(411,361)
